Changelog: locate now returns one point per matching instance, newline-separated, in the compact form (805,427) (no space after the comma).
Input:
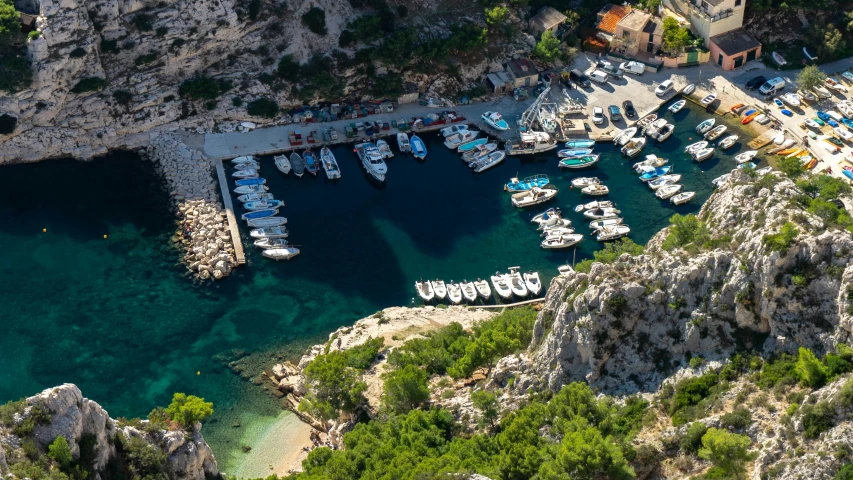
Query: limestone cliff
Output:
(63,411)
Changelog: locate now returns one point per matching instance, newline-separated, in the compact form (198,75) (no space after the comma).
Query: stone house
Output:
(734,48)
(523,72)
(608,17)
(720,25)
(546,19)
(638,31)
(500,82)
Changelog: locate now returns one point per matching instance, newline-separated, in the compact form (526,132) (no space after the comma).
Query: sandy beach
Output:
(276,447)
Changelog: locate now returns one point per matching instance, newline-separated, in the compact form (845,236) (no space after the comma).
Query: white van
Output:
(636,68)
(598,76)
(772,86)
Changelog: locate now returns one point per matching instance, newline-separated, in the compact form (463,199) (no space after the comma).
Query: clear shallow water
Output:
(117,317)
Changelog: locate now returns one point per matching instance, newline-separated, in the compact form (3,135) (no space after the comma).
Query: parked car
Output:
(629,109)
(598,76)
(613,71)
(615,114)
(664,87)
(636,68)
(772,86)
(578,77)
(755,82)
(597,115)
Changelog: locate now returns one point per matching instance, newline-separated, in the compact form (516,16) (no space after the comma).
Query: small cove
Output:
(117,317)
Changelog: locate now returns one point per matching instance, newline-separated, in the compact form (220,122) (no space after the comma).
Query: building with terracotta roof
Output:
(609,16)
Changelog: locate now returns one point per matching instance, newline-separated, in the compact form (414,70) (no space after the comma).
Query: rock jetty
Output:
(203,224)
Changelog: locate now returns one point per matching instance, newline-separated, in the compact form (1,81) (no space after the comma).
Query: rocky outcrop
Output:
(624,327)
(65,412)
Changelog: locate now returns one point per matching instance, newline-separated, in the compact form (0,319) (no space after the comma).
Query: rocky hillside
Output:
(31,432)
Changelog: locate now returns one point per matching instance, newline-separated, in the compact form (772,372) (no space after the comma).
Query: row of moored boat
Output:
(506,286)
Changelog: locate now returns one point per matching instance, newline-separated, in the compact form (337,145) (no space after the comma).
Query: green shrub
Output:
(696,362)
(405,388)
(315,20)
(836,365)
(186,410)
(60,452)
(10,409)
(846,473)
(692,439)
(123,97)
(262,107)
(7,125)
(110,46)
(809,369)
(34,35)
(610,253)
(200,88)
(737,419)
(782,241)
(10,23)
(388,85)
(145,59)
(690,392)
(362,356)
(15,73)
(510,331)
(143,460)
(365,29)
(817,418)
(77,53)
(781,370)
(727,451)
(686,230)
(143,22)
(161,31)
(89,84)
(237,101)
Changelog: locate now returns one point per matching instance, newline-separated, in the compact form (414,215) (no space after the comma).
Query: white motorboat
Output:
(439,288)
(696,146)
(625,136)
(372,161)
(469,292)
(403,142)
(667,191)
(266,222)
(516,282)
(728,142)
(247,166)
(716,132)
(454,141)
(560,223)
(581,182)
(534,196)
(453,130)
(561,241)
(254,197)
(689,89)
(708,99)
(595,190)
(263,204)
(647,120)
(488,161)
(282,163)
(424,289)
(483,289)
(495,120)
(269,232)
(245,159)
(844,133)
(834,85)
(702,155)
(653,128)
(556,230)
(677,106)
(682,198)
(248,173)
(822,92)
(501,284)
(248,189)
(651,161)
(330,164)
(790,99)
(665,132)
(454,293)
(265,243)
(384,149)
(721,179)
(601,213)
(634,147)
(607,222)
(807,95)
(745,156)
(705,125)
(593,204)
(479,152)
(668,179)
(762,119)
(607,234)
(548,217)
(788,143)
(281,253)
(565,270)
(779,139)
(778,58)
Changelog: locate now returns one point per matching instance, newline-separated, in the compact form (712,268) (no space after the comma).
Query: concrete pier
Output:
(229,212)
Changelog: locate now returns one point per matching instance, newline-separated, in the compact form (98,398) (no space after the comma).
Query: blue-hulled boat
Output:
(778,103)
(310,162)
(574,152)
(250,181)
(516,185)
(495,120)
(466,147)
(580,143)
(847,123)
(847,173)
(263,204)
(260,214)
(787,112)
(418,148)
(823,116)
(749,112)
(653,174)
(750,165)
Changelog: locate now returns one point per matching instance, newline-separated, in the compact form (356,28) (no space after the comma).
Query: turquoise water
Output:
(118,317)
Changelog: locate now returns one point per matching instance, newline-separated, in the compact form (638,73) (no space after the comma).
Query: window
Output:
(738,3)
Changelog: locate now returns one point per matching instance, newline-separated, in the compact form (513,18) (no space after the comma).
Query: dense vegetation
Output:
(203,88)
(610,253)
(89,84)
(15,72)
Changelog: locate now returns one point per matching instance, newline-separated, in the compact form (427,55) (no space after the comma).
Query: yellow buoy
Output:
(198,373)
(105,236)
(44,230)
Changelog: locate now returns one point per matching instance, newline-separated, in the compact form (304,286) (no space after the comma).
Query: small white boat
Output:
(516,282)
(248,189)
(833,84)
(254,197)
(593,204)
(495,120)
(595,190)
(807,95)
(534,196)
(708,99)
(790,99)
(269,232)
(247,166)
(246,127)
(651,161)
(453,130)
(716,132)
(483,289)
(728,142)
(266,243)
(689,89)
(634,147)
(845,108)
(761,119)
(677,106)
(778,58)
(811,123)
(501,284)
(454,293)
(745,156)
(403,142)
(330,164)
(703,154)
(454,141)
(555,230)
(384,149)
(607,222)
(667,191)
(788,143)
(266,222)
(479,152)
(281,253)
(706,125)
(721,180)
(682,198)
(653,128)
(424,289)
(844,133)
(249,173)
(779,139)
(600,213)
(646,121)
(565,270)
(561,241)
(488,161)
(668,179)
(245,159)
(607,234)
(263,204)
(822,92)
(439,288)
(532,282)
(469,292)
(625,136)
(548,217)
(665,132)
(282,163)
(696,146)
(581,182)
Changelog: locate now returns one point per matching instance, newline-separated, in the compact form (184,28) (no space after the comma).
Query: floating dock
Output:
(229,212)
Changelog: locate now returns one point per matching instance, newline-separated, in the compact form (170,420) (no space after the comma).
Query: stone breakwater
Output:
(203,223)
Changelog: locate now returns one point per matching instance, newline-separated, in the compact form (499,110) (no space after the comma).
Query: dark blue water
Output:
(118,317)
